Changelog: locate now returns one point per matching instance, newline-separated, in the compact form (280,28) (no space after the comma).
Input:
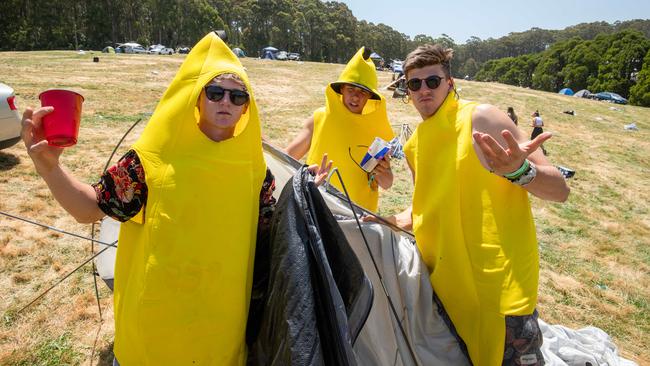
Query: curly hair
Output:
(426,55)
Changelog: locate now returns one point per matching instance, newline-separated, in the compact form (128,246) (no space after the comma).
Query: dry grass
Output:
(595,251)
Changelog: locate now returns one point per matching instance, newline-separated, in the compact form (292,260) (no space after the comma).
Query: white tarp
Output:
(587,346)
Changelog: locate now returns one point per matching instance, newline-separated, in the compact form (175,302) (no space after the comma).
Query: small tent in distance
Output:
(239,52)
(566,91)
(377,60)
(584,93)
(268,53)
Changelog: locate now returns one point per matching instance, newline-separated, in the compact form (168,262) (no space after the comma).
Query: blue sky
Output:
(462,19)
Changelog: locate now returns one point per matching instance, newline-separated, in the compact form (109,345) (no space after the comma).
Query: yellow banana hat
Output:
(360,71)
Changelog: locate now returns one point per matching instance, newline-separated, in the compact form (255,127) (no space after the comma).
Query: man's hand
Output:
(321,172)
(507,160)
(45,157)
(403,220)
(383,173)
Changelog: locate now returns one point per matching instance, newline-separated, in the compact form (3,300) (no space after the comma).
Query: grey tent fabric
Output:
(583,93)
(407,282)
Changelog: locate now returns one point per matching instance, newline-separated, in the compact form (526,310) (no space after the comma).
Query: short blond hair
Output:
(426,55)
(233,77)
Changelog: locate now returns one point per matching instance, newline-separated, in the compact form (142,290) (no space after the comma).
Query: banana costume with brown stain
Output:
(339,132)
(183,276)
(475,231)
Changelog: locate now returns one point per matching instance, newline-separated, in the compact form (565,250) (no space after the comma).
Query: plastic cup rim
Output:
(61,89)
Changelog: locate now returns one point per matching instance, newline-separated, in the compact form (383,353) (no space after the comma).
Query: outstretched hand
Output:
(33,135)
(321,172)
(504,160)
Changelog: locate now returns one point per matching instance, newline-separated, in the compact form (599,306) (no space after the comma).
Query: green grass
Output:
(57,351)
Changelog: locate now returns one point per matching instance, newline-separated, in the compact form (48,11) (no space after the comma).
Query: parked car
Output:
(183,50)
(282,56)
(293,56)
(396,66)
(610,97)
(9,118)
(138,49)
(130,49)
(159,49)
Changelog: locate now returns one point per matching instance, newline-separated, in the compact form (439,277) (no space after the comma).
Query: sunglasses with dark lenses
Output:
(432,81)
(237,97)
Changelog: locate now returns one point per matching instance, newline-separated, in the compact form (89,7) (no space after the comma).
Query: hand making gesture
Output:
(505,160)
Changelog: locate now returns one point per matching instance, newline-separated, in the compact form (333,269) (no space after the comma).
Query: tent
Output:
(566,91)
(403,325)
(239,52)
(108,49)
(375,56)
(377,60)
(268,55)
(584,93)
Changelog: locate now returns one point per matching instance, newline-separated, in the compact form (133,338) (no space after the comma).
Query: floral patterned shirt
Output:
(122,191)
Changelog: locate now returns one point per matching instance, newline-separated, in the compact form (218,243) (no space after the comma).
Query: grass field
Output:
(595,248)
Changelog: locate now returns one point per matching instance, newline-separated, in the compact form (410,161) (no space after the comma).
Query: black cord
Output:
(66,276)
(56,229)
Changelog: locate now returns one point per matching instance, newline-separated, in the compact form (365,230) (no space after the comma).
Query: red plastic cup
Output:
(62,125)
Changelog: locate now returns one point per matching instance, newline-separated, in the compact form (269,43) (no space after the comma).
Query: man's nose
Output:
(226,98)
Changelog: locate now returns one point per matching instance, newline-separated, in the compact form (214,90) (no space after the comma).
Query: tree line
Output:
(616,62)
(597,56)
(319,31)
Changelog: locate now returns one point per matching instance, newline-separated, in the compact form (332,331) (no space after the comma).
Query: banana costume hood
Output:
(345,136)
(184,270)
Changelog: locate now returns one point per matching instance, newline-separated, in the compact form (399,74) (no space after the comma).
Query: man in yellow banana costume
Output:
(473,170)
(190,193)
(354,114)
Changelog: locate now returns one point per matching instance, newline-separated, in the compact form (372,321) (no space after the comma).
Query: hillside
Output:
(595,248)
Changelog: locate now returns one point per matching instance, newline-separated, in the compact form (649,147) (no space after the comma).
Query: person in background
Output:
(354,114)
(513,116)
(537,124)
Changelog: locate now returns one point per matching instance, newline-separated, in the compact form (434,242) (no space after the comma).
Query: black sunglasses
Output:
(215,93)
(432,81)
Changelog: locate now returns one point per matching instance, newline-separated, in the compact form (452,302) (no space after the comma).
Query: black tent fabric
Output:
(303,311)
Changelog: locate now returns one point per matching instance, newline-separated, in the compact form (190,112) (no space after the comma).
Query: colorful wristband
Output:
(519,172)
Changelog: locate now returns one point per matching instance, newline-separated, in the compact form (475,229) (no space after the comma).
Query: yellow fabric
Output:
(337,132)
(475,231)
(360,71)
(183,278)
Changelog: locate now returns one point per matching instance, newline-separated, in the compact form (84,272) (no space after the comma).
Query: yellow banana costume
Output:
(183,276)
(339,132)
(475,231)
